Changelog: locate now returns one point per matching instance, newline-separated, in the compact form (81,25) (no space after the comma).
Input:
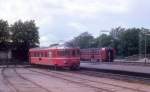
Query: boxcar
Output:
(97,54)
(56,56)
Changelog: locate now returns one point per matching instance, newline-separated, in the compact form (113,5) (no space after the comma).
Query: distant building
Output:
(5,54)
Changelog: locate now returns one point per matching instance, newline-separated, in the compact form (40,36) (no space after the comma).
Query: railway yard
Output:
(34,79)
(75,46)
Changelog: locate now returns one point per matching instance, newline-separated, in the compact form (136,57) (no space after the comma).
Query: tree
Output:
(24,36)
(25,33)
(126,41)
(4,34)
(84,40)
(103,41)
(117,32)
(129,42)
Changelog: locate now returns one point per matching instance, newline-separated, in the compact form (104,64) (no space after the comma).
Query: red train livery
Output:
(56,56)
(97,54)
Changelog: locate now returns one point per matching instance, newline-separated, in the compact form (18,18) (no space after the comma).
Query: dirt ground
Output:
(42,80)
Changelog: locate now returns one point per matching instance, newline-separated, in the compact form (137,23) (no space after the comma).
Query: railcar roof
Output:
(55,47)
(95,48)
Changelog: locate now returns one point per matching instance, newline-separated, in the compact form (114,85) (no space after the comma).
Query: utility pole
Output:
(145,42)
(145,48)
(140,46)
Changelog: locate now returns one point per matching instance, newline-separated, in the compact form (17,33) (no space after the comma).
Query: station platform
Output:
(113,67)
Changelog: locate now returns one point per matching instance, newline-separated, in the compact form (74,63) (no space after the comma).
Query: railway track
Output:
(120,63)
(122,76)
(7,81)
(66,76)
(72,81)
(90,73)
(118,75)
(95,81)
(10,84)
(46,90)
(74,77)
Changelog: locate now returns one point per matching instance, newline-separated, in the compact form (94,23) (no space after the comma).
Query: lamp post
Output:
(139,45)
(145,49)
(145,42)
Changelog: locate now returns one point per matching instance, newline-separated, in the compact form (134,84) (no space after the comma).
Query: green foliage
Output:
(24,36)
(117,32)
(103,41)
(129,42)
(25,33)
(84,40)
(126,41)
(19,37)
(4,34)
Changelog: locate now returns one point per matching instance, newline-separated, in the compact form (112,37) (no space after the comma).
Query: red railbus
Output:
(56,56)
(97,54)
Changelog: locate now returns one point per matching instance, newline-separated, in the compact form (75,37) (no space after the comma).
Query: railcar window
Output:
(35,54)
(60,53)
(54,53)
(67,53)
(45,54)
(73,53)
(78,52)
(41,54)
(50,54)
(38,54)
(63,53)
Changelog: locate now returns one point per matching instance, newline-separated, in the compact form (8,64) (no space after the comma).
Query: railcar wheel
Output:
(98,60)
(51,67)
(33,65)
(74,67)
(55,67)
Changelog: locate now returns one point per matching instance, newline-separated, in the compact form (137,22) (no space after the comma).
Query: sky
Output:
(62,20)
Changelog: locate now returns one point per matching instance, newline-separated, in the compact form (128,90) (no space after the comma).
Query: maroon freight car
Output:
(97,54)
